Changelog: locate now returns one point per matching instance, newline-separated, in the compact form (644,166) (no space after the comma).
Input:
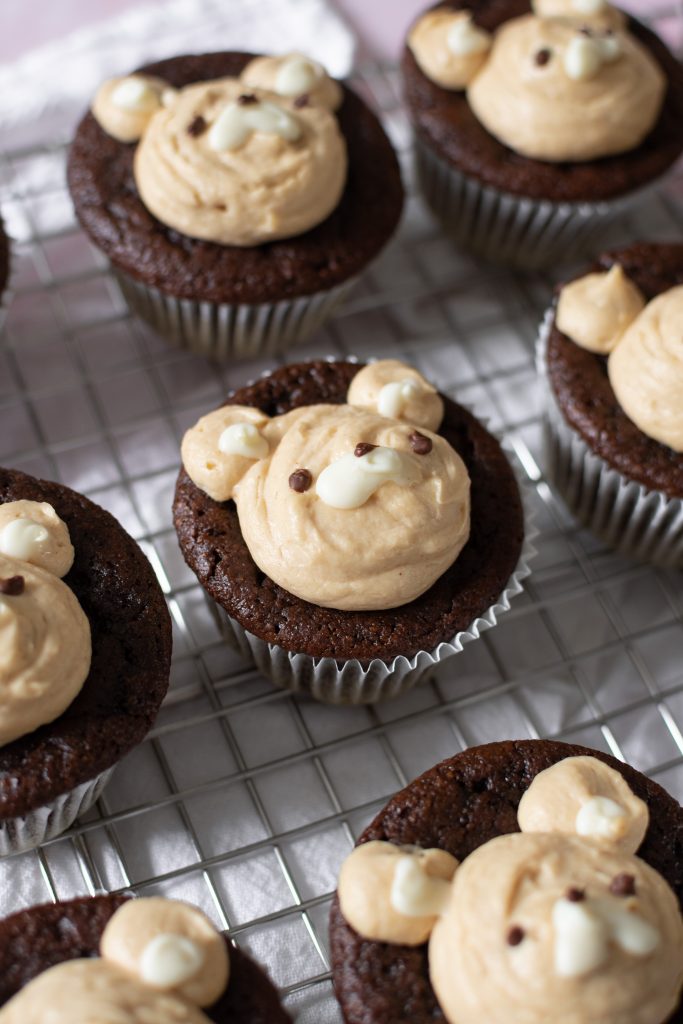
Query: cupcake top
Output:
(160,961)
(45,645)
(607,314)
(559,921)
(552,88)
(354,507)
(229,160)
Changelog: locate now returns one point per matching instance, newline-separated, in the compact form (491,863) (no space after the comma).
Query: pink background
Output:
(24,24)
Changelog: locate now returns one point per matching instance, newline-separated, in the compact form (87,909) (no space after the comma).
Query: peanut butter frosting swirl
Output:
(646,369)
(554,90)
(240,166)
(341,505)
(45,646)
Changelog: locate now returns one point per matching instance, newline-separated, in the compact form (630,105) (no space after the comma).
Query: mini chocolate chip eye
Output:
(586,31)
(302,101)
(300,480)
(541,57)
(575,895)
(420,444)
(623,885)
(515,935)
(247,99)
(13,586)
(362,448)
(197,126)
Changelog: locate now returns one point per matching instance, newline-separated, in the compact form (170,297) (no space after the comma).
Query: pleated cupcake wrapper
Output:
(508,229)
(36,827)
(223,331)
(622,513)
(349,682)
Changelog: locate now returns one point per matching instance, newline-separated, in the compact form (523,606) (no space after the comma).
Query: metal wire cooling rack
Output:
(244,799)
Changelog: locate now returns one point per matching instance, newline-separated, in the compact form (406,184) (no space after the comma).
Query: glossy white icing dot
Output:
(350,481)
(465,38)
(415,893)
(243,439)
(237,122)
(601,817)
(134,94)
(297,75)
(170,960)
(21,538)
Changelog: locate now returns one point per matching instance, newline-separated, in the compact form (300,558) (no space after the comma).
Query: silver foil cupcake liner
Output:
(625,515)
(30,830)
(508,229)
(222,331)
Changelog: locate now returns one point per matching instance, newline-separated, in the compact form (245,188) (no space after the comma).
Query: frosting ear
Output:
(31,531)
(123,107)
(583,796)
(397,391)
(222,447)
(169,946)
(391,893)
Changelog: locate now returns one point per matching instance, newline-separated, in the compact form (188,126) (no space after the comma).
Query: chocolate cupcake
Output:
(237,198)
(353,526)
(525,134)
(85,637)
(106,956)
(610,355)
(503,886)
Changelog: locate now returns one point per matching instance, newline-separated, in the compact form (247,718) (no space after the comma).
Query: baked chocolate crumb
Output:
(246,99)
(623,885)
(420,444)
(362,448)
(300,480)
(302,101)
(542,57)
(197,126)
(575,895)
(13,586)
(515,935)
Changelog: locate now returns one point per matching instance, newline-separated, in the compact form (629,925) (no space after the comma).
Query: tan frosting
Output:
(541,111)
(123,107)
(521,881)
(45,649)
(557,796)
(367,878)
(294,75)
(595,310)
(448,48)
(95,992)
(590,12)
(259,185)
(423,405)
(217,476)
(33,532)
(131,941)
(646,369)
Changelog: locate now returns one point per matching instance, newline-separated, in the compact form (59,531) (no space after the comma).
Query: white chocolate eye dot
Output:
(134,94)
(601,818)
(464,38)
(297,75)
(414,892)
(393,397)
(169,960)
(238,121)
(243,439)
(21,538)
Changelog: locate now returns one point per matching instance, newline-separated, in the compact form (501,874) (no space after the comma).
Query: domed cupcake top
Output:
(45,647)
(228,161)
(556,922)
(346,506)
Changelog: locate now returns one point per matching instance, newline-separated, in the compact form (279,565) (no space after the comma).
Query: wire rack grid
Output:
(245,799)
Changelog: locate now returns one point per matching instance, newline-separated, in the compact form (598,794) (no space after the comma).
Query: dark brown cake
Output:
(583,391)
(444,120)
(457,806)
(100,176)
(131,654)
(213,547)
(36,939)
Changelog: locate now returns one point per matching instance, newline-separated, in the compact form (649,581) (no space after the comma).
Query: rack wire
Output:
(244,799)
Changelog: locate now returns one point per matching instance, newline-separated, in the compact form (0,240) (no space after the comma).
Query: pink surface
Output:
(24,24)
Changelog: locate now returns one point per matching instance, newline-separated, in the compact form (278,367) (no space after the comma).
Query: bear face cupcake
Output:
(237,198)
(610,355)
(85,648)
(110,957)
(534,128)
(517,881)
(353,526)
